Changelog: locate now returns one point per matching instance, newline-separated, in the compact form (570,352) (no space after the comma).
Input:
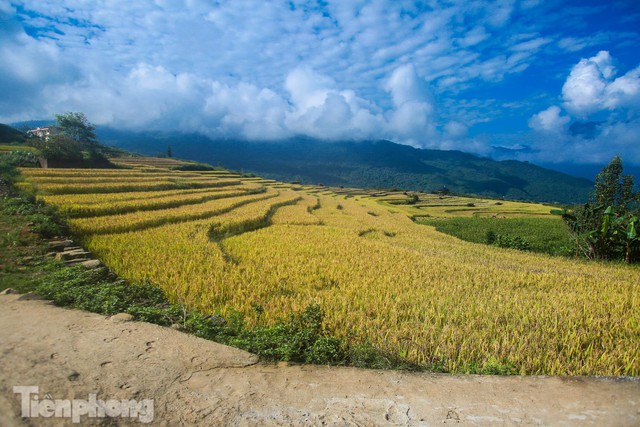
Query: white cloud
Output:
(624,91)
(607,105)
(591,87)
(456,129)
(307,88)
(411,118)
(405,86)
(340,69)
(610,139)
(574,44)
(549,120)
(357,43)
(531,45)
(500,12)
(473,37)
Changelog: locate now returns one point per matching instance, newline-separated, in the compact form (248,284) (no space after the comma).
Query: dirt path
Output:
(69,354)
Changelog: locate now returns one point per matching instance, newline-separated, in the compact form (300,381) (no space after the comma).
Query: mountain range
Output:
(367,164)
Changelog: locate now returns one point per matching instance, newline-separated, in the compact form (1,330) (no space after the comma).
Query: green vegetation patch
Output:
(194,166)
(21,254)
(544,235)
(18,147)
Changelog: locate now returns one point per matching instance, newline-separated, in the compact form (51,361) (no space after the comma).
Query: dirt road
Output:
(71,354)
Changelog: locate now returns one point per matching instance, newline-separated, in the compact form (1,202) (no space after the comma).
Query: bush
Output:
(301,338)
(194,167)
(97,290)
(492,366)
(512,242)
(45,220)
(21,159)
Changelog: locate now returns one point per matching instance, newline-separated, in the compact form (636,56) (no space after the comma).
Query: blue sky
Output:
(544,81)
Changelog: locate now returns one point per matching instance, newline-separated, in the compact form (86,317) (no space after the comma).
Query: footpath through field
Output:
(70,354)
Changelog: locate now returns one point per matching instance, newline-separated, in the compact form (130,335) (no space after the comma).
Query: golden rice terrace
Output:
(218,241)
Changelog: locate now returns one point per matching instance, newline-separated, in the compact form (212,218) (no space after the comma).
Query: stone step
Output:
(77,261)
(92,263)
(58,245)
(72,255)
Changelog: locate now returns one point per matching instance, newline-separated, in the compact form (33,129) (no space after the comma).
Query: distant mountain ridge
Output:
(369,164)
(9,135)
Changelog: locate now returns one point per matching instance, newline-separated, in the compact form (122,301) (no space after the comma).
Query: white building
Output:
(44,132)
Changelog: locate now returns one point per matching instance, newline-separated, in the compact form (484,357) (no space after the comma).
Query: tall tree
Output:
(613,188)
(76,129)
(606,227)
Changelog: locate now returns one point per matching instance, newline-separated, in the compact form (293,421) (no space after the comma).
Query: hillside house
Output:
(41,132)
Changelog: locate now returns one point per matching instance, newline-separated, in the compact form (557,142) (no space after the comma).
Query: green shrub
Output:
(193,167)
(97,290)
(45,219)
(492,366)
(512,242)
(301,338)
(326,351)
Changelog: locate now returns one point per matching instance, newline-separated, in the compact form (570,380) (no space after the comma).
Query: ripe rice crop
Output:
(93,198)
(155,203)
(299,214)
(100,177)
(380,277)
(146,219)
(35,172)
(125,186)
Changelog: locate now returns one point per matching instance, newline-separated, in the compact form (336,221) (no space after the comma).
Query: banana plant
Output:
(631,236)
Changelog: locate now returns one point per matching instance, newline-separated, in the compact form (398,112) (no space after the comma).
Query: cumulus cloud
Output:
(412,116)
(27,67)
(347,69)
(591,87)
(549,120)
(594,99)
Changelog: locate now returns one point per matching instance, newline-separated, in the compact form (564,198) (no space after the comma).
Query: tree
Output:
(76,130)
(72,138)
(613,188)
(168,151)
(76,127)
(606,226)
(58,147)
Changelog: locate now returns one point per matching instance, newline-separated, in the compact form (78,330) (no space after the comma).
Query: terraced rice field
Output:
(379,276)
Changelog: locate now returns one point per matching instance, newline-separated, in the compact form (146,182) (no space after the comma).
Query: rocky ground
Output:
(71,354)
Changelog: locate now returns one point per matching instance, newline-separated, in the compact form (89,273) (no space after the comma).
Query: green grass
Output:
(544,235)
(21,254)
(19,147)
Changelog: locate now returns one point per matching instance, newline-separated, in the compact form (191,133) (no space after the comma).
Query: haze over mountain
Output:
(368,164)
